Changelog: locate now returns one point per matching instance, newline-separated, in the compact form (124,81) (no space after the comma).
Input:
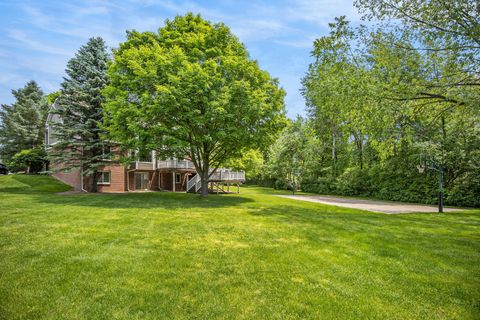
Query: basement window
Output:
(104,177)
(177,178)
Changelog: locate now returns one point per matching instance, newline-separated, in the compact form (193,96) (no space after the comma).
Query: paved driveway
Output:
(387,207)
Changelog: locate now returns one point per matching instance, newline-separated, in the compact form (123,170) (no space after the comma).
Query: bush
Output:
(268,183)
(29,160)
(282,184)
(323,185)
(397,182)
(465,191)
(354,182)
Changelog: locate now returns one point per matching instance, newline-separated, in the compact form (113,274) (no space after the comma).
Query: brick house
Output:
(145,174)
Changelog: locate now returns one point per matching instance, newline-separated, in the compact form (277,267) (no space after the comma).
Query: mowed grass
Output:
(246,256)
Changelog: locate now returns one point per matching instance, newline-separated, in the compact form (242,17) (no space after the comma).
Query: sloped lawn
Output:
(246,256)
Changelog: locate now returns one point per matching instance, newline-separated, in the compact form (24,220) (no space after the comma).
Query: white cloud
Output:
(91,10)
(182,7)
(258,29)
(7,78)
(321,12)
(4,53)
(90,21)
(36,16)
(304,43)
(24,38)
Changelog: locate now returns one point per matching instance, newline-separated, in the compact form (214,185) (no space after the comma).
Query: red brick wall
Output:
(118,179)
(168,179)
(72,178)
(131,180)
(154,177)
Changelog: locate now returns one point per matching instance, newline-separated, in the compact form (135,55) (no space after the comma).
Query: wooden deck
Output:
(220,180)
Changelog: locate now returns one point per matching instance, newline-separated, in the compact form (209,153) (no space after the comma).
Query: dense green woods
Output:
(382,98)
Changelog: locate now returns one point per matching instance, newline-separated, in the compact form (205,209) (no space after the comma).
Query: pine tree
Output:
(79,106)
(23,123)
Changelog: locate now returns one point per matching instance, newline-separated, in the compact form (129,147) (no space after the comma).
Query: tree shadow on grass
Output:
(154,200)
(44,189)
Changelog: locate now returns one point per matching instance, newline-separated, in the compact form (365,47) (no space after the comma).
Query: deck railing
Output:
(221,175)
(194,183)
(227,175)
(175,164)
(142,165)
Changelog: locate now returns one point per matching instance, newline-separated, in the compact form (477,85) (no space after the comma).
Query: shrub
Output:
(283,184)
(465,191)
(29,160)
(324,185)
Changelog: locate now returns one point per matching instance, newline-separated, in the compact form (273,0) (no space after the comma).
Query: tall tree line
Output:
(379,99)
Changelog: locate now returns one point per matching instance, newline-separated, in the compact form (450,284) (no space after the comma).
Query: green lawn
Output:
(246,256)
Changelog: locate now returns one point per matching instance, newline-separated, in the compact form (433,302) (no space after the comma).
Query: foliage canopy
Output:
(191,90)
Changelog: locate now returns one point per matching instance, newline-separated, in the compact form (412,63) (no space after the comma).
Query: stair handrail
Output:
(193,182)
(198,185)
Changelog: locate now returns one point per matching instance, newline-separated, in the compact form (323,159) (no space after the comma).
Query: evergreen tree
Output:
(79,106)
(23,123)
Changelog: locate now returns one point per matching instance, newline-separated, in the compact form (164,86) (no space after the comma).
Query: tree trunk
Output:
(94,182)
(359,142)
(334,154)
(204,181)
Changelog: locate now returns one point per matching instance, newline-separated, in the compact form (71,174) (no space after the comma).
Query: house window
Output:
(177,177)
(106,150)
(50,138)
(104,177)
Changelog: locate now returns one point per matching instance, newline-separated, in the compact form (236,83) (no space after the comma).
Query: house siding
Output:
(72,178)
(131,180)
(167,180)
(118,179)
(122,178)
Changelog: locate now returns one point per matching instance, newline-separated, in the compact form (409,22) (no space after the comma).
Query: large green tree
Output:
(191,90)
(445,34)
(23,123)
(79,108)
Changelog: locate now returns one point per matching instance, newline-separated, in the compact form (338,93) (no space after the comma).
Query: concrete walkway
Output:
(369,205)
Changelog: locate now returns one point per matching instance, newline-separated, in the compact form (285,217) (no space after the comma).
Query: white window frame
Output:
(106,146)
(179,176)
(101,180)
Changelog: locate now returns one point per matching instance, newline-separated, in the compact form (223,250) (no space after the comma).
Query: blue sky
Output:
(37,38)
